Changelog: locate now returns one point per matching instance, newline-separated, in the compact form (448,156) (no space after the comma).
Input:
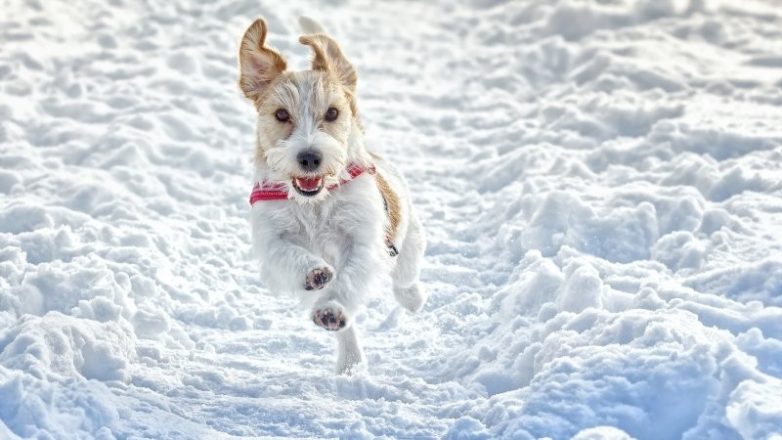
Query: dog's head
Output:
(307,120)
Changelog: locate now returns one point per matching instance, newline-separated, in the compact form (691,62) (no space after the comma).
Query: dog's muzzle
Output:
(308,186)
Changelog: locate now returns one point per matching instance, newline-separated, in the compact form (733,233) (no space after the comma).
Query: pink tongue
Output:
(308,183)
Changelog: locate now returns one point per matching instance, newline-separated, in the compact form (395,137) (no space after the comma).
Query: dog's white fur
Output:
(343,230)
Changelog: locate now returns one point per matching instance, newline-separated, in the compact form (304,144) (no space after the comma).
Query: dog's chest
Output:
(318,220)
(322,227)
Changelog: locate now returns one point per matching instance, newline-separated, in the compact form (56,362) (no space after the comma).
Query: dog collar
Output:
(272,190)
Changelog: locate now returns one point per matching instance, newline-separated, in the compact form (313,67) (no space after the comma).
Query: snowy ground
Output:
(600,182)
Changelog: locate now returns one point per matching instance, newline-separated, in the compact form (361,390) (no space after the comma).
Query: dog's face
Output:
(305,119)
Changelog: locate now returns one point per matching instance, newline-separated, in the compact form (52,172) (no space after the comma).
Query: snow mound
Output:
(60,346)
(754,409)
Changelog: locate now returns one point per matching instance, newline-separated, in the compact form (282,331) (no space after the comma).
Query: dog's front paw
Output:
(331,317)
(318,278)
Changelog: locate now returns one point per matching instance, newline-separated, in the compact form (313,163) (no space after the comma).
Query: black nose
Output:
(309,160)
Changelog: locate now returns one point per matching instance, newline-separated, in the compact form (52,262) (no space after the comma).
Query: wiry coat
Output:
(330,247)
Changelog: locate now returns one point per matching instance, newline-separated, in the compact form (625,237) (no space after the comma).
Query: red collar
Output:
(266,190)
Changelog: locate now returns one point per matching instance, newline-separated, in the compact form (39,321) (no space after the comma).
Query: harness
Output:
(272,190)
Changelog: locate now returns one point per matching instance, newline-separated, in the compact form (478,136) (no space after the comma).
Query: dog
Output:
(331,221)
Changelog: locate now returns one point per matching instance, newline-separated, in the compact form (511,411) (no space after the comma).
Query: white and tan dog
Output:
(331,221)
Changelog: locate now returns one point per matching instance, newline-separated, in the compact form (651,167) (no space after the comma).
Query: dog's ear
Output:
(259,64)
(328,57)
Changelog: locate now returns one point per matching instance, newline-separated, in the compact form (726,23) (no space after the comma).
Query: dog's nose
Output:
(309,160)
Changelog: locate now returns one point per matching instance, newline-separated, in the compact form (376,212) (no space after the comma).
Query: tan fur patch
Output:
(393,207)
(259,65)
(328,57)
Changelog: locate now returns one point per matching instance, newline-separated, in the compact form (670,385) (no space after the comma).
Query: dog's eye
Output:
(331,114)
(282,115)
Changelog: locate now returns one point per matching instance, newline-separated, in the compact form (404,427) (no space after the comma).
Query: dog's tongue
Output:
(308,183)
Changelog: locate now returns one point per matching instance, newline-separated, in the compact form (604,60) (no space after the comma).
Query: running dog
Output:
(331,221)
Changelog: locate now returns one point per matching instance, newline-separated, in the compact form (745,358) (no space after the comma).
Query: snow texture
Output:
(600,181)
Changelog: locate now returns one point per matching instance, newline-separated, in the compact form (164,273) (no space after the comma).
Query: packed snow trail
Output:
(600,184)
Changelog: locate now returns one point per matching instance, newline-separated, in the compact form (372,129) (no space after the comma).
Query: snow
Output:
(600,183)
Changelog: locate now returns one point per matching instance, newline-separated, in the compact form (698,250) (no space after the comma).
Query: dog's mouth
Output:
(308,186)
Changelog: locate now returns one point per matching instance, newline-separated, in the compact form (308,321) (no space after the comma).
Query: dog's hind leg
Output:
(407,288)
(350,353)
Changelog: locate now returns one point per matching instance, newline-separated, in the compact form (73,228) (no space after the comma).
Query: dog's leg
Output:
(350,353)
(407,288)
(335,308)
(293,268)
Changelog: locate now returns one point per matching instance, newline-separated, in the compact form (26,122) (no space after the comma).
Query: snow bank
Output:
(59,346)
(754,409)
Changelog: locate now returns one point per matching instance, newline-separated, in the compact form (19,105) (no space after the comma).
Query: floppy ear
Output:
(328,57)
(259,64)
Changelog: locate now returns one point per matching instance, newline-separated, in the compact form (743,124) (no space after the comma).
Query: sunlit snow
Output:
(601,183)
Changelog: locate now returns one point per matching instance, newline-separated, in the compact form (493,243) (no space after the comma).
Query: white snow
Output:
(601,183)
